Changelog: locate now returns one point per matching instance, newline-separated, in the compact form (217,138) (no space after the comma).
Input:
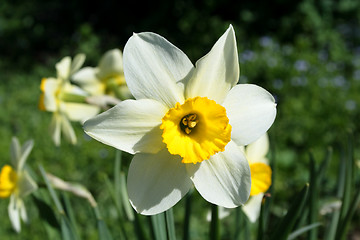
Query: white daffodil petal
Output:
(130,126)
(26,184)
(256,151)
(153,66)
(73,89)
(55,129)
(77,62)
(15,151)
(224,179)
(86,75)
(23,213)
(111,64)
(252,207)
(50,86)
(63,68)
(14,213)
(251,111)
(156,182)
(218,71)
(80,111)
(67,129)
(25,151)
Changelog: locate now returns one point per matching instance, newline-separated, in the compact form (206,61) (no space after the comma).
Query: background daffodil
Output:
(64,100)
(260,175)
(16,183)
(105,79)
(186,123)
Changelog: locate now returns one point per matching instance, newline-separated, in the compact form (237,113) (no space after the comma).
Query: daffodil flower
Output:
(105,79)
(260,175)
(16,183)
(186,123)
(64,100)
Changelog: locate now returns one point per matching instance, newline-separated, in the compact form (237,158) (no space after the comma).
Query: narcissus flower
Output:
(64,100)
(16,183)
(105,79)
(260,175)
(186,123)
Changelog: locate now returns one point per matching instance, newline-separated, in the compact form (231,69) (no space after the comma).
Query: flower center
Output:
(188,123)
(196,130)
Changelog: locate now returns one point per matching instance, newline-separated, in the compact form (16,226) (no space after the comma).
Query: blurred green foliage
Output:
(306,53)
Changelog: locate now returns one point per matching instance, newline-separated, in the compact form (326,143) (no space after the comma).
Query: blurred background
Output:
(306,53)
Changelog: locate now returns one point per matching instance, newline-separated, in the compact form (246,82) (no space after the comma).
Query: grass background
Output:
(306,53)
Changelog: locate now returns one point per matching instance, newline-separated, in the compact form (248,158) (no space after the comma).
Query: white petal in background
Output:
(77,62)
(67,129)
(14,213)
(252,207)
(26,184)
(55,129)
(131,126)
(15,151)
(111,64)
(218,71)
(256,151)
(251,111)
(152,68)
(63,68)
(25,151)
(79,111)
(224,179)
(156,182)
(85,75)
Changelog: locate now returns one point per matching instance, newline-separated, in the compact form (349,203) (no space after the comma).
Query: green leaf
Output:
(170,224)
(214,224)
(313,198)
(186,231)
(302,230)
(342,230)
(67,231)
(287,222)
(159,227)
(104,233)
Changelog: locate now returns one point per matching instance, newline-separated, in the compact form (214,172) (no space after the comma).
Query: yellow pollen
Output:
(196,129)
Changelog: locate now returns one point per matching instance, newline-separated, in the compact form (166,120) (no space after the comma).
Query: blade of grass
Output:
(348,189)
(139,228)
(214,224)
(104,233)
(69,212)
(125,198)
(170,225)
(67,229)
(261,226)
(313,198)
(117,169)
(287,222)
(302,230)
(186,229)
(159,226)
(330,231)
(345,223)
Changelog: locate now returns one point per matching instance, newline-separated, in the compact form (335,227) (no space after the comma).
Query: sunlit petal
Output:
(131,126)
(156,182)
(153,66)
(218,71)
(224,179)
(251,111)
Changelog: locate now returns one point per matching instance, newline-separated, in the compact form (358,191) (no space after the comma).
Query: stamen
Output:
(188,123)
